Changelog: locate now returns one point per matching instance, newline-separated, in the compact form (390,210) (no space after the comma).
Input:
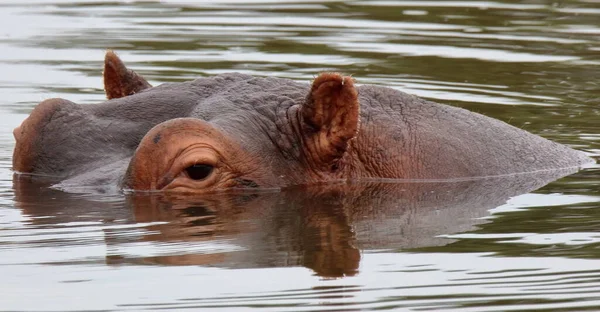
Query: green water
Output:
(493,245)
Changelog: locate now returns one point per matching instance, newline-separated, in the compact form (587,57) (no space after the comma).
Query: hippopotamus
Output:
(235,131)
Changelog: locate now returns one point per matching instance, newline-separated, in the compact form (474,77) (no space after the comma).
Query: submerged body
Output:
(239,131)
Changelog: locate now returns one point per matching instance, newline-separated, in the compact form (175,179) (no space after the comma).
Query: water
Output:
(490,245)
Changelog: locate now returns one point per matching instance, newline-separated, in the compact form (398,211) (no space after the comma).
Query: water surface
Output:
(499,244)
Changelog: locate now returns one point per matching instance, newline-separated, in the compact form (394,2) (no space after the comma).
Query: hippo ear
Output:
(330,118)
(120,81)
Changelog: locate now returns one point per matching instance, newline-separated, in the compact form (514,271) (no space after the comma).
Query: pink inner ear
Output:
(332,109)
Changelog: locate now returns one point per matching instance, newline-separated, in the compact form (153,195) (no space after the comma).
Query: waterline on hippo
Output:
(235,131)
(326,227)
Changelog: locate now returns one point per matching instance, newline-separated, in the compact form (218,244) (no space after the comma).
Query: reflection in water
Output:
(321,227)
(533,64)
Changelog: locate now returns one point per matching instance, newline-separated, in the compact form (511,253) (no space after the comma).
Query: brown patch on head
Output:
(191,156)
(120,81)
(330,119)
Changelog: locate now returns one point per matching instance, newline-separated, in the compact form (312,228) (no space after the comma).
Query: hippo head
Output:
(235,131)
(228,131)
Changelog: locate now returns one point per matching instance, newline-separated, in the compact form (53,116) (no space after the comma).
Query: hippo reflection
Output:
(238,131)
(324,228)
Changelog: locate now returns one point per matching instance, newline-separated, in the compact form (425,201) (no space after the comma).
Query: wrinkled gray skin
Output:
(400,136)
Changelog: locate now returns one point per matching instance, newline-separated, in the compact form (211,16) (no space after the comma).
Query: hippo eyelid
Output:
(199,172)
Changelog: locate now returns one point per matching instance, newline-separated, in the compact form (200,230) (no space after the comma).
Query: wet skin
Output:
(235,131)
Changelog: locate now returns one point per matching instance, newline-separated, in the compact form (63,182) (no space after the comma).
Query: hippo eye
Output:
(199,172)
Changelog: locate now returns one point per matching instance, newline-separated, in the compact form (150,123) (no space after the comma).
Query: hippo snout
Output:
(17,133)
(30,134)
